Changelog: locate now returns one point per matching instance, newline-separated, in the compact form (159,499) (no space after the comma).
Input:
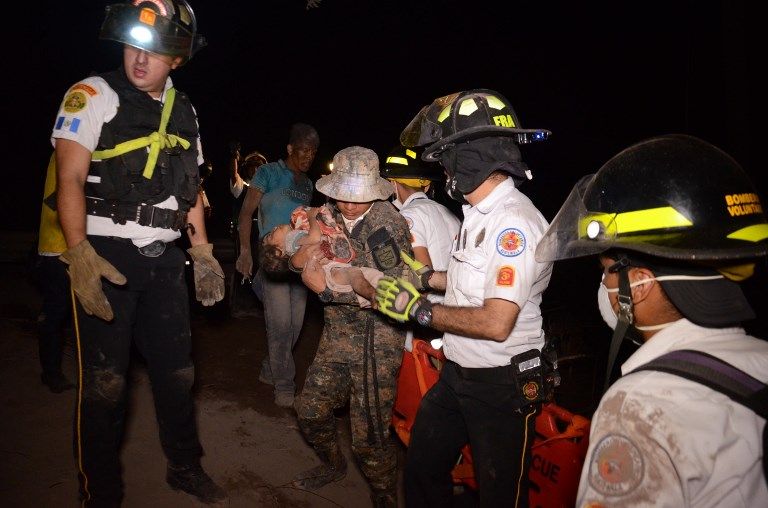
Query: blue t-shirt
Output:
(281,194)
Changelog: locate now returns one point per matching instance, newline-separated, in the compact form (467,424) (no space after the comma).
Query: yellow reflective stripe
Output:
(753,233)
(79,413)
(444,113)
(636,221)
(411,154)
(411,182)
(156,141)
(467,107)
(121,148)
(397,160)
(494,102)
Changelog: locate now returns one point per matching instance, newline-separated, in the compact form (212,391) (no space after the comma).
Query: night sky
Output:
(600,75)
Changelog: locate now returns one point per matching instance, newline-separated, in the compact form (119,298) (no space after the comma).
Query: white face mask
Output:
(606,309)
(396,202)
(609,315)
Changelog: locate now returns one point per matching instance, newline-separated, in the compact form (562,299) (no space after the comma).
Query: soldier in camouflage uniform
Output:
(360,350)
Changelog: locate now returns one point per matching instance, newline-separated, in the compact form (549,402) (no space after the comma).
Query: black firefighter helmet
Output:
(163,27)
(403,164)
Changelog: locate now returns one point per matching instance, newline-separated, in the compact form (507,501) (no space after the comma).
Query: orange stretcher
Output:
(558,450)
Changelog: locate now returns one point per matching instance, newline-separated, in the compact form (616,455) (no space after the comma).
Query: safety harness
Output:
(720,376)
(143,214)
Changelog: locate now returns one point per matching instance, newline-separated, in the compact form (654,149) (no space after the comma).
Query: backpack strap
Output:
(720,376)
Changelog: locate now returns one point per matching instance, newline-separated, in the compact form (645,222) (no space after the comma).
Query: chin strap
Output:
(625,316)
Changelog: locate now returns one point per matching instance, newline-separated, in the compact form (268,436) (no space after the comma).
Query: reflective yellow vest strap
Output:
(156,141)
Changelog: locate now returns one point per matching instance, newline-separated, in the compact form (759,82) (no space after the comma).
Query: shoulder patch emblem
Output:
(85,88)
(616,466)
(383,249)
(75,101)
(505,276)
(510,242)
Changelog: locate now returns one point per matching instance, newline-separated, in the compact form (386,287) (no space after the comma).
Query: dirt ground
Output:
(252,447)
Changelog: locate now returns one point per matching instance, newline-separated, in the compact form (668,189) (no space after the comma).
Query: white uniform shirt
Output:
(432,226)
(493,257)
(238,187)
(86,107)
(661,440)
(435,228)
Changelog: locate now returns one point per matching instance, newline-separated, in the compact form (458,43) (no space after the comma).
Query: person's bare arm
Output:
(438,281)
(493,321)
(72,163)
(315,235)
(244,263)
(360,284)
(421,254)
(196,217)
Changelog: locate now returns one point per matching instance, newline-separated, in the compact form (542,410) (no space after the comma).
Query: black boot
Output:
(194,481)
(333,469)
(384,498)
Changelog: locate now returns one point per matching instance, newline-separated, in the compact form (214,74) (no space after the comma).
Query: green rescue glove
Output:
(209,277)
(86,268)
(421,271)
(397,298)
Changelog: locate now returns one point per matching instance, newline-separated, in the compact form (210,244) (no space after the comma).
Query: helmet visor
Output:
(576,231)
(145,29)
(424,128)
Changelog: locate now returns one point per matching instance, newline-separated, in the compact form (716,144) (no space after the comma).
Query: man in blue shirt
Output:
(276,190)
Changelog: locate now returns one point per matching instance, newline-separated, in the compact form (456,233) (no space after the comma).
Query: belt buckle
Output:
(153,250)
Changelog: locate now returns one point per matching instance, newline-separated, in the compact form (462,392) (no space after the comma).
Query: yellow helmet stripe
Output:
(635,221)
(754,233)
(411,182)
(397,160)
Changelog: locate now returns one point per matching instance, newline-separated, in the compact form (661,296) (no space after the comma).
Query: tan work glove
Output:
(86,268)
(209,277)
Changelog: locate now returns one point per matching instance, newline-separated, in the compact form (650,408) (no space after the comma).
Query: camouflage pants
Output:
(369,386)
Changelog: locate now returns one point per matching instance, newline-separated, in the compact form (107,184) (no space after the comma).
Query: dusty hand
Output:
(86,268)
(244,263)
(421,272)
(313,275)
(209,277)
(397,298)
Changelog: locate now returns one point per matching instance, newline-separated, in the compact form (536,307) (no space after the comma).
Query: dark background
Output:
(600,75)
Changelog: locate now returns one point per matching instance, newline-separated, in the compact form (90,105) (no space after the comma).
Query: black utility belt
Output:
(527,372)
(144,215)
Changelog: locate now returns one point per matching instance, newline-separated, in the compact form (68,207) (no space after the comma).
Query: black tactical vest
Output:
(176,171)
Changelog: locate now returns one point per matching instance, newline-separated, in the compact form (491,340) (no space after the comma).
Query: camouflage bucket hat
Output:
(355,177)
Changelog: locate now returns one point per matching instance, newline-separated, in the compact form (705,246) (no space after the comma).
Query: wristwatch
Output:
(422,312)
(326,295)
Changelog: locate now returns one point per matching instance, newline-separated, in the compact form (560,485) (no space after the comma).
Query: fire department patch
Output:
(616,466)
(510,242)
(505,276)
(531,390)
(75,101)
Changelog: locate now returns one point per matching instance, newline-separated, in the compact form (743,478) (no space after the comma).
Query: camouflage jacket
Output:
(378,240)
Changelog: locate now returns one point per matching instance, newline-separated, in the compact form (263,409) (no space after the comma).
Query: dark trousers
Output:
(151,311)
(488,417)
(54,286)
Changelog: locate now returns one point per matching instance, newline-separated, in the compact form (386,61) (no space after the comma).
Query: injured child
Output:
(312,231)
